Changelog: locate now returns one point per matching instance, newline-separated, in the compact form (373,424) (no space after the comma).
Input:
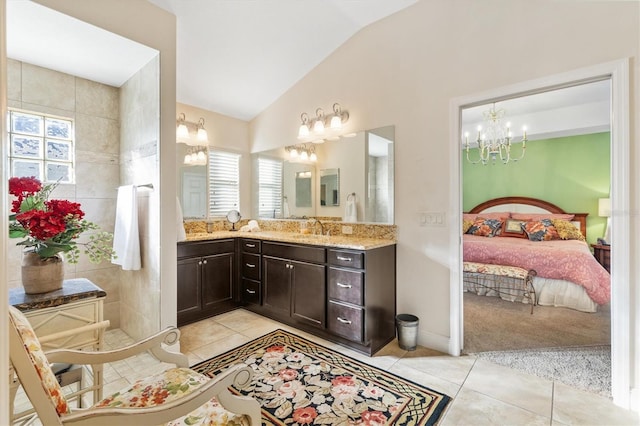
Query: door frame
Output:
(618,73)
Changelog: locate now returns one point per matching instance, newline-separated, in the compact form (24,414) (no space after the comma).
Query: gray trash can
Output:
(407,331)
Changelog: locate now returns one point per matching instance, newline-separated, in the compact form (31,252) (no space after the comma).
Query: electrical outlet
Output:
(347,230)
(432,219)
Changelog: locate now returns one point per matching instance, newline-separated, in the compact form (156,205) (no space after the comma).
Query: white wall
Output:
(405,69)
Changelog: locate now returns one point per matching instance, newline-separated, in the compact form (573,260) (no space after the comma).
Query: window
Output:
(270,187)
(224,178)
(42,146)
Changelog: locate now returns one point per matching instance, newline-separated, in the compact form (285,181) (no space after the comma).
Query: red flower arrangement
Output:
(52,226)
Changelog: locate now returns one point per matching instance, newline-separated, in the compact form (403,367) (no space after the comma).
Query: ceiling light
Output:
(182,132)
(495,142)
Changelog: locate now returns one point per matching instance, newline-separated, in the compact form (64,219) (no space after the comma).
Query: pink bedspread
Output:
(568,260)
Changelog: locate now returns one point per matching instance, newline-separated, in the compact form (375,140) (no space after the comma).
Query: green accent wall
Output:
(571,172)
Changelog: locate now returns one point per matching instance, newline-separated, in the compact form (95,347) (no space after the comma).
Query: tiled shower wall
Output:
(139,135)
(95,109)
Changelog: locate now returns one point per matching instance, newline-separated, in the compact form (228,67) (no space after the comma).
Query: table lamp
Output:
(604,210)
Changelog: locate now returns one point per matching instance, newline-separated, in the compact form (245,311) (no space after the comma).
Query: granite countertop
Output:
(340,241)
(71,291)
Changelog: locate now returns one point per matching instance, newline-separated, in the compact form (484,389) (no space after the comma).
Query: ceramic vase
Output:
(41,275)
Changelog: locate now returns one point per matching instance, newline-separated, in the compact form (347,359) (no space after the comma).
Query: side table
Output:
(602,254)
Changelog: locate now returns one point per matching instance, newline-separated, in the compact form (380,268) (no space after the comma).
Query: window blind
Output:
(224,178)
(270,187)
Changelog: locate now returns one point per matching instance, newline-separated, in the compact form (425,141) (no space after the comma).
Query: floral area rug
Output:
(298,382)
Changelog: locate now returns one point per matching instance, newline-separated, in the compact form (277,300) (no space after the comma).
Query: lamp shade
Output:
(604,207)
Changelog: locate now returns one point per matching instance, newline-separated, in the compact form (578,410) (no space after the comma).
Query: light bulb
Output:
(293,153)
(201,157)
(313,157)
(202,135)
(182,132)
(336,122)
(318,127)
(304,155)
(303,132)
(187,159)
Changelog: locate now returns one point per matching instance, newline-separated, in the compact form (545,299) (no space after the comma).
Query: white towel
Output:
(350,211)
(126,240)
(182,235)
(252,226)
(285,208)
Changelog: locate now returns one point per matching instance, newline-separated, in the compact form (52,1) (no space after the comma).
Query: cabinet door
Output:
(309,294)
(189,296)
(276,285)
(217,280)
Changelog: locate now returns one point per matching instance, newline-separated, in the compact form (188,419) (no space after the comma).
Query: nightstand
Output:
(603,255)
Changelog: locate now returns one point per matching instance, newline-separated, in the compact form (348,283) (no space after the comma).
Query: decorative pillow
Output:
(485,227)
(466,224)
(491,215)
(540,216)
(567,230)
(540,230)
(513,228)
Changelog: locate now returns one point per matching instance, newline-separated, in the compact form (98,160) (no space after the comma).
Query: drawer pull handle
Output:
(344,321)
(204,261)
(343,285)
(251,291)
(250,245)
(344,259)
(250,265)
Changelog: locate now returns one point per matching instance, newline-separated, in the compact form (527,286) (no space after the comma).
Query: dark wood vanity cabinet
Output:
(206,272)
(251,271)
(294,282)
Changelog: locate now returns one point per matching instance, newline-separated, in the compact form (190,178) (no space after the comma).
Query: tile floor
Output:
(483,393)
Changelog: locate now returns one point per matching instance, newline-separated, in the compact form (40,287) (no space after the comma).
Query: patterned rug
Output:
(298,382)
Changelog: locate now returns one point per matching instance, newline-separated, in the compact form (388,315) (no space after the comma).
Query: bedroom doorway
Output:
(617,74)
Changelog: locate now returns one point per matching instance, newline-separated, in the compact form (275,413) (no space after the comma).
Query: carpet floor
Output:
(493,324)
(299,382)
(587,368)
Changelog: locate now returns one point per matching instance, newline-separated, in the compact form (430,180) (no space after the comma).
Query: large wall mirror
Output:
(362,164)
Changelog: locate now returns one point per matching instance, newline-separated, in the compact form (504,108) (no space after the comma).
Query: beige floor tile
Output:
(194,336)
(437,384)
(221,346)
(574,406)
(452,369)
(473,408)
(513,387)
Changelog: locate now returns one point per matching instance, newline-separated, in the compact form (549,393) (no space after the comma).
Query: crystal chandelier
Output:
(495,142)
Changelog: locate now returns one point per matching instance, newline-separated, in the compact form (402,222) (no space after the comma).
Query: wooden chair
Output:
(177,396)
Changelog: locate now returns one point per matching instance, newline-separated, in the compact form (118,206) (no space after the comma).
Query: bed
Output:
(564,273)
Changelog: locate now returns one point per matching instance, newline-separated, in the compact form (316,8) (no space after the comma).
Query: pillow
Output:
(492,215)
(466,224)
(513,228)
(567,230)
(540,216)
(485,227)
(540,230)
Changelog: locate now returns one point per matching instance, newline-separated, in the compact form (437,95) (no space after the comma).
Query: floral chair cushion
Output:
(39,360)
(167,386)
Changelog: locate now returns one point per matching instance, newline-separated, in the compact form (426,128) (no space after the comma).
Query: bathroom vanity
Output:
(341,289)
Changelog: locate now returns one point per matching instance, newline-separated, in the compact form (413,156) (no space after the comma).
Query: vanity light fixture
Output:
(495,142)
(322,127)
(202,133)
(303,131)
(183,135)
(196,156)
(182,132)
(318,125)
(302,152)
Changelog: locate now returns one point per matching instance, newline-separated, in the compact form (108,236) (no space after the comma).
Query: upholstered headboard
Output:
(528,205)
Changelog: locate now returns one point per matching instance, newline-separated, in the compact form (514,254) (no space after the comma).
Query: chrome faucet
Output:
(314,225)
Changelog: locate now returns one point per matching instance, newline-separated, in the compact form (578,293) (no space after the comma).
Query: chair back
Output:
(34,370)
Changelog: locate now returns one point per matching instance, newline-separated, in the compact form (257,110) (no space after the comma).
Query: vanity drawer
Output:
(346,285)
(346,321)
(251,266)
(350,259)
(205,248)
(251,246)
(251,291)
(294,252)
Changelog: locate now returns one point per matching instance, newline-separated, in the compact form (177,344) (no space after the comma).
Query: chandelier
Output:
(495,142)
